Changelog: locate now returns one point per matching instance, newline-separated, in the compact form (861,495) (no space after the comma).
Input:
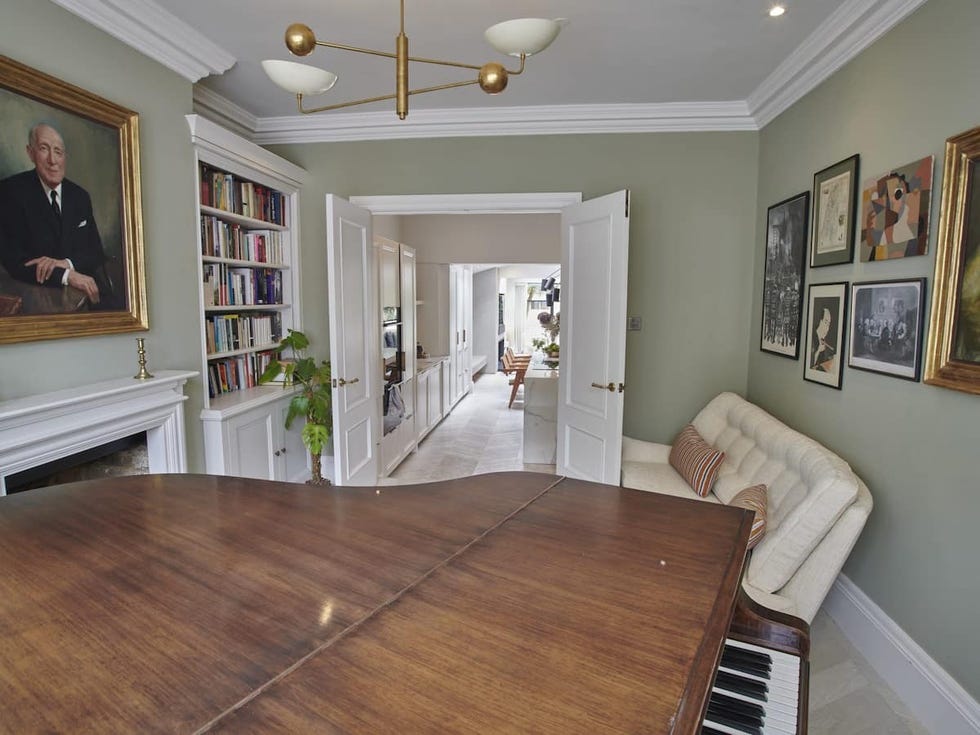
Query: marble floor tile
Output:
(482,435)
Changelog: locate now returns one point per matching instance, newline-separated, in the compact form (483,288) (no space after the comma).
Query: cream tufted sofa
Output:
(817,505)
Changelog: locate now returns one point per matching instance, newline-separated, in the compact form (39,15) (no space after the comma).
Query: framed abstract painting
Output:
(895,208)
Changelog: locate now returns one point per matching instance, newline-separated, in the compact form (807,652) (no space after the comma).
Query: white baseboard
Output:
(932,695)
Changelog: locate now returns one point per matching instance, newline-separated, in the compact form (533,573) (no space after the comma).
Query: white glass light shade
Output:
(299,78)
(522,35)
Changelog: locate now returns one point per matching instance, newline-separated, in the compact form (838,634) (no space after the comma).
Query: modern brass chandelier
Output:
(521,37)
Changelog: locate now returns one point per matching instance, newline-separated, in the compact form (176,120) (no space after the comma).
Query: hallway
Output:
(480,435)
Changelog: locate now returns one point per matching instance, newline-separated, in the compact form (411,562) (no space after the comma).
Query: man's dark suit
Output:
(29,228)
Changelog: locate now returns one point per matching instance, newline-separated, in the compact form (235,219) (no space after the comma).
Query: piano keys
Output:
(760,685)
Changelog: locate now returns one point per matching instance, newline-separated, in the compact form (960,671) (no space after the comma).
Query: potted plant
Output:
(313,401)
(551,350)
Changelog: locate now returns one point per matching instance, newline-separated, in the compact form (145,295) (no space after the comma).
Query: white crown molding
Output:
(234,150)
(153,31)
(145,26)
(493,122)
(852,28)
(224,112)
(549,202)
(933,696)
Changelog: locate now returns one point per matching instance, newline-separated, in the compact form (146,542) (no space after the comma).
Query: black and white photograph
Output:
(886,327)
(782,289)
(826,320)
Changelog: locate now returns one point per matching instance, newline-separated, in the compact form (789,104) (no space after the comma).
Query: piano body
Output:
(511,603)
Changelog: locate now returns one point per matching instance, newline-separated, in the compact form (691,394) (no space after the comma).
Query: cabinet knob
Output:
(277,453)
(284,450)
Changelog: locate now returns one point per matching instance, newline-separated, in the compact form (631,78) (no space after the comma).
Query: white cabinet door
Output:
(437,404)
(251,444)
(595,247)
(422,402)
(293,463)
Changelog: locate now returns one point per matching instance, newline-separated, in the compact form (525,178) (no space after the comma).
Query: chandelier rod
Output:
(382,98)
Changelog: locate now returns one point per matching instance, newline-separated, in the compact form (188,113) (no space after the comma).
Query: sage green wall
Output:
(915,445)
(52,40)
(692,225)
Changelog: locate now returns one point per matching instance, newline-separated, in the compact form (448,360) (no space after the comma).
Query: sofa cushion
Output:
(695,460)
(808,485)
(753,498)
(659,477)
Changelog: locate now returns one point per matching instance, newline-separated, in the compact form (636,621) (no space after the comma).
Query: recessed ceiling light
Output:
(776,10)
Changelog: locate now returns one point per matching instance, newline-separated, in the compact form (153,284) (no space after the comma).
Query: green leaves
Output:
(314,401)
(315,437)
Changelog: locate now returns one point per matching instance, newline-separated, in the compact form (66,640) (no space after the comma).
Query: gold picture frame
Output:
(953,348)
(101,140)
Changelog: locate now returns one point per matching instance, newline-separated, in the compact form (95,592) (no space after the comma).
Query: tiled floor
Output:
(847,697)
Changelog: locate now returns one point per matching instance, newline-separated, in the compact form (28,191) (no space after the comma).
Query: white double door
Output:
(595,244)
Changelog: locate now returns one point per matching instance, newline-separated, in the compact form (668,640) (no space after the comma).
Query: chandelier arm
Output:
(337,106)
(441,62)
(444,86)
(357,49)
(520,68)
(382,98)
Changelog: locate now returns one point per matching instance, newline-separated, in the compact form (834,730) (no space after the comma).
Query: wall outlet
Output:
(634,323)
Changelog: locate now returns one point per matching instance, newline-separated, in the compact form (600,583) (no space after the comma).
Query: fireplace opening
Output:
(126,456)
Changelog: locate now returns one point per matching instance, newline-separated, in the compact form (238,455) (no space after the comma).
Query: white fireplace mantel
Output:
(45,427)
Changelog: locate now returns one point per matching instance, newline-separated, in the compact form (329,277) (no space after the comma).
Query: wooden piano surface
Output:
(511,602)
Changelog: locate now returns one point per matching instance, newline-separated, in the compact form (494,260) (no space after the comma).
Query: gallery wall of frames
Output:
(879,324)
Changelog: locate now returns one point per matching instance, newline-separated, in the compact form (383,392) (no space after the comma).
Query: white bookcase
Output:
(247,206)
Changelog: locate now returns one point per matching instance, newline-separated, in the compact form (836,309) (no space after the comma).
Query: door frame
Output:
(533,203)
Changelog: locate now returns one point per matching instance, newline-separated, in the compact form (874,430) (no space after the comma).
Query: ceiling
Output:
(696,64)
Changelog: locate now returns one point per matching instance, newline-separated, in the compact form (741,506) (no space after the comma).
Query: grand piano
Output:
(510,602)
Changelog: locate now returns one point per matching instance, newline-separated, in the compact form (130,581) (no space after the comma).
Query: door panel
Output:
(595,244)
(354,321)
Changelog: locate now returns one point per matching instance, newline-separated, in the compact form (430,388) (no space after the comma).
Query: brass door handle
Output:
(341,382)
(611,387)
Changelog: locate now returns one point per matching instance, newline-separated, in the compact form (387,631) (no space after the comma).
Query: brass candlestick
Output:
(143,374)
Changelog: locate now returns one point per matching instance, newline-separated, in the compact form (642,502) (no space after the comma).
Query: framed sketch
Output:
(834,207)
(826,320)
(71,234)
(782,288)
(886,327)
(953,349)
(895,212)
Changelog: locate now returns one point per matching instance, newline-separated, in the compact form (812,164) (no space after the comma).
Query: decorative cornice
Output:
(493,122)
(148,28)
(531,203)
(223,111)
(220,143)
(153,31)
(852,28)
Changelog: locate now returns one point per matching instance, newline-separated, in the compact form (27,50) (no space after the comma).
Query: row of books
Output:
(226,285)
(225,191)
(237,373)
(227,332)
(227,240)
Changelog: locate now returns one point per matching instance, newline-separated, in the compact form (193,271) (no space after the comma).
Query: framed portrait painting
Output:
(826,320)
(71,233)
(886,327)
(953,349)
(834,208)
(782,289)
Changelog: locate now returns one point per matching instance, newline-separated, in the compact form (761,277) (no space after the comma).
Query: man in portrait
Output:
(48,233)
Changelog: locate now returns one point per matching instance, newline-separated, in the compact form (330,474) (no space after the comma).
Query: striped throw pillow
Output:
(754,498)
(695,460)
